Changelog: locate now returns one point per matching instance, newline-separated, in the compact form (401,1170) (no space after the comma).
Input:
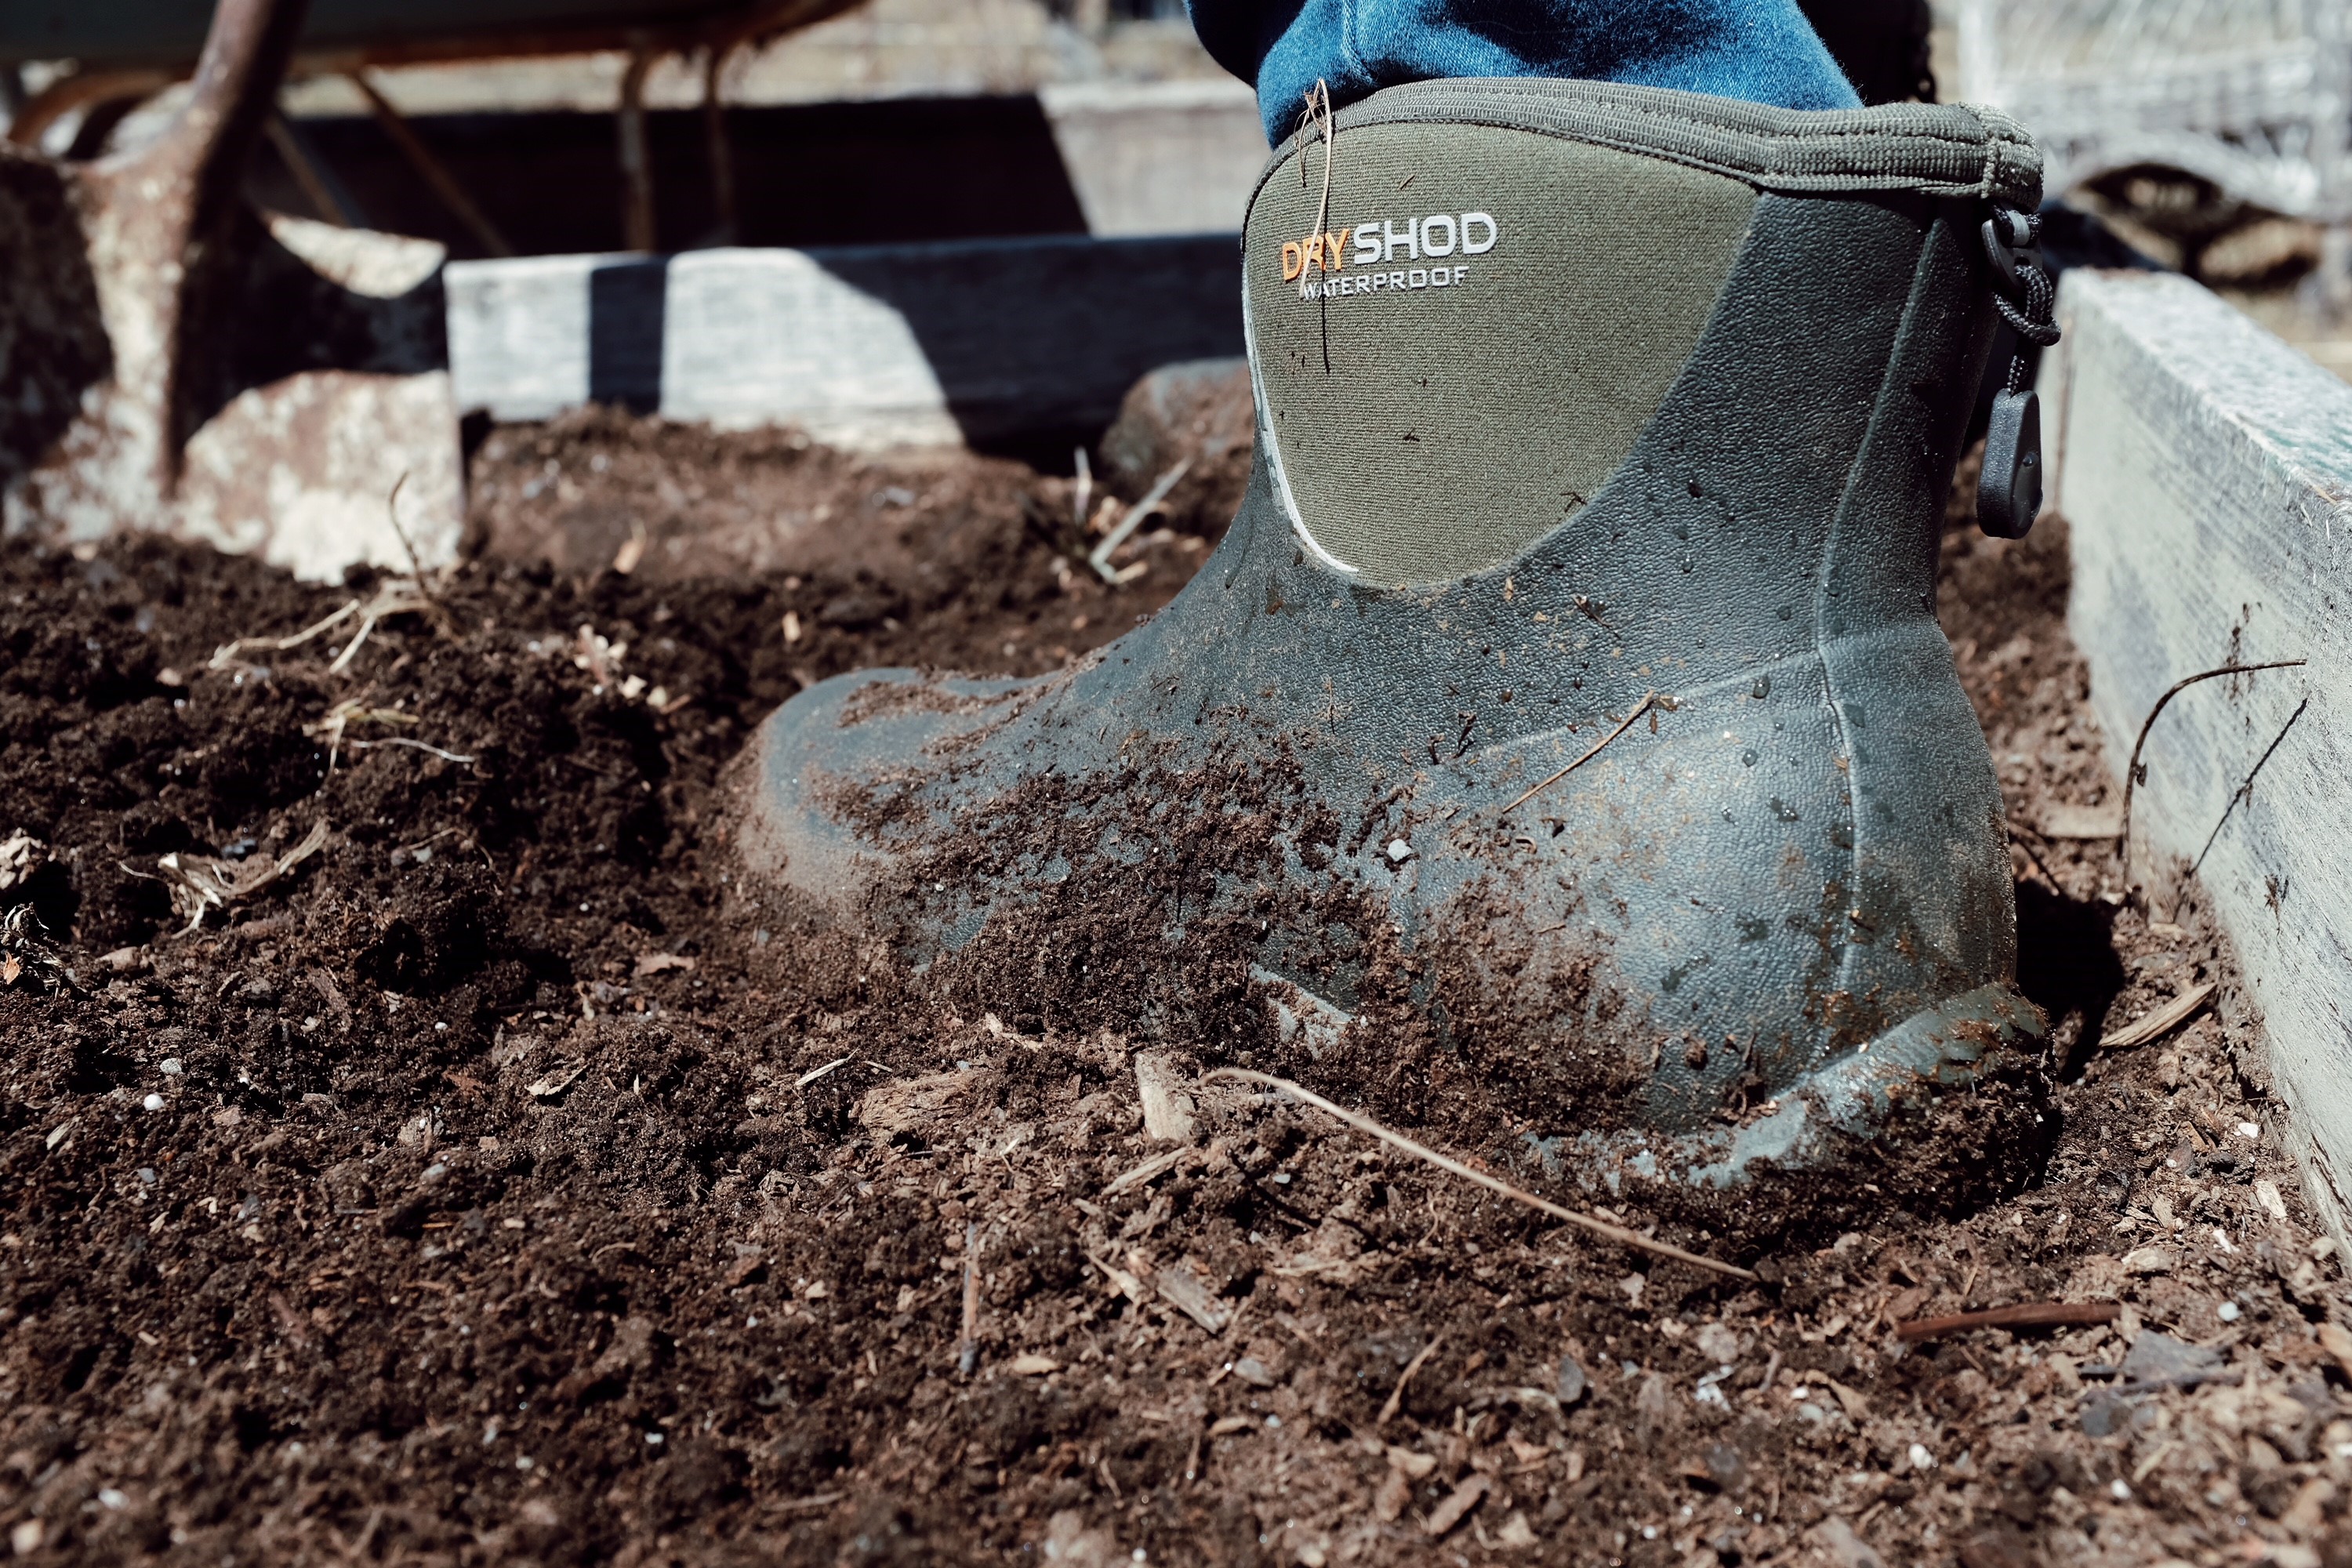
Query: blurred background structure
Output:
(2188,118)
(2214,135)
(2249,95)
(256,361)
(881,220)
(543,127)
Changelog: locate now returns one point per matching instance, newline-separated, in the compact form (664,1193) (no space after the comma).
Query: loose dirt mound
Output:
(479,1188)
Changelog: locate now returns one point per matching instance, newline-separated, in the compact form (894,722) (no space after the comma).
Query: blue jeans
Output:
(1761,50)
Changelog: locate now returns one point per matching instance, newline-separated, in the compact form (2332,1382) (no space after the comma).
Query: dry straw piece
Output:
(2161,1022)
(21,855)
(198,883)
(1600,1227)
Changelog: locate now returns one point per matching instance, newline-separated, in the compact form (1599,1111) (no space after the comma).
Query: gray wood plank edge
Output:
(2205,469)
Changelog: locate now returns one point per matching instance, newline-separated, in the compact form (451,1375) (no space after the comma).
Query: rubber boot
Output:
(1566,698)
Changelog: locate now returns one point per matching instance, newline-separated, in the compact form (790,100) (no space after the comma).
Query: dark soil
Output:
(486,1188)
(905,536)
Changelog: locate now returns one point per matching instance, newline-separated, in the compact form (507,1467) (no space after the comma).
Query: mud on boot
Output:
(1563,724)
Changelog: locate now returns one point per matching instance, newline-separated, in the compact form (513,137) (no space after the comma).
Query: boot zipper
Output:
(2009,493)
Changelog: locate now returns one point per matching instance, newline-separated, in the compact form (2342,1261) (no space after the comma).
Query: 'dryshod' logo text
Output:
(1358,260)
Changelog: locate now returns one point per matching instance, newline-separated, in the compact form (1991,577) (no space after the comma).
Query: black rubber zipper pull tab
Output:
(2008,490)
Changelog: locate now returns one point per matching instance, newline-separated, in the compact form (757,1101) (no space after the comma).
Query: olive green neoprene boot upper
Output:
(1567,698)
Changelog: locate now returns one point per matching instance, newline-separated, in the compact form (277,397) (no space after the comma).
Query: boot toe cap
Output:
(833,773)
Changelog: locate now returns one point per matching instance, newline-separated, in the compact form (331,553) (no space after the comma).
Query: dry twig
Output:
(2131,771)
(814,1074)
(816,1504)
(1602,1228)
(1396,1395)
(1120,1280)
(968,1346)
(1099,558)
(2035,1315)
(1155,1166)
(233,652)
(2161,1022)
(1457,1506)
(338,719)
(415,563)
(393,598)
(414,746)
(1183,1290)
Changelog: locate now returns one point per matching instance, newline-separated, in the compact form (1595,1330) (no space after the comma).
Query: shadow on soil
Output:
(2066,962)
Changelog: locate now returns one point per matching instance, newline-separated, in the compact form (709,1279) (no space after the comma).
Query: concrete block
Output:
(1196,412)
(988,341)
(1172,157)
(302,472)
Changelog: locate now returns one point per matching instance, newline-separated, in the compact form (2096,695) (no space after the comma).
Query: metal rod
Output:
(431,169)
(721,154)
(298,162)
(174,201)
(81,89)
(98,126)
(636,163)
(594,38)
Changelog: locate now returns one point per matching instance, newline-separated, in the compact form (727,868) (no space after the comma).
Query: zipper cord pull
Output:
(2009,491)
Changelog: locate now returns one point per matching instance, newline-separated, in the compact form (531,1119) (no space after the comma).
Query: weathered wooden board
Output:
(2205,468)
(982,341)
